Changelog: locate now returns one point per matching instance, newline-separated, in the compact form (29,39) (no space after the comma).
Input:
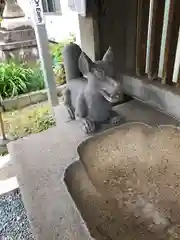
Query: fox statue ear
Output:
(108,56)
(85,64)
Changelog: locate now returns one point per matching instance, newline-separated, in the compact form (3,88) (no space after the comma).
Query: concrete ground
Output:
(8,180)
(41,161)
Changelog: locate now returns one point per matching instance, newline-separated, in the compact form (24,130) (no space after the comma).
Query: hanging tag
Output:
(37,12)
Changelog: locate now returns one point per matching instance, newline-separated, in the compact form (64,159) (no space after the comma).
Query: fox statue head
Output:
(100,75)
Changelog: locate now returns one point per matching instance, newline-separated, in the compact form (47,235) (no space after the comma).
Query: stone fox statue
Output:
(90,97)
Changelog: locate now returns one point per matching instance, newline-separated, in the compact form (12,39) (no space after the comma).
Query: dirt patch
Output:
(25,121)
(138,168)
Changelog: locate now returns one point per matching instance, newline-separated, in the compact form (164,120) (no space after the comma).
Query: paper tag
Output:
(37,8)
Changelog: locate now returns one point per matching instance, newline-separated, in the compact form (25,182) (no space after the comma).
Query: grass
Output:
(56,49)
(33,119)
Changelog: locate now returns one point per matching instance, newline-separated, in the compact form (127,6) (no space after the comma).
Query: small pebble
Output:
(14,223)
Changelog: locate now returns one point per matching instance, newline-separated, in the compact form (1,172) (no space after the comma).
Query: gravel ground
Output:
(14,224)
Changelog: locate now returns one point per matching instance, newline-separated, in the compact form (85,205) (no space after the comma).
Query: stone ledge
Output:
(29,99)
(162,97)
(16,45)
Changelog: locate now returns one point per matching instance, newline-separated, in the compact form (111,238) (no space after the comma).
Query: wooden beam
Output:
(154,37)
(173,42)
(176,72)
(151,36)
(141,41)
(165,40)
(131,31)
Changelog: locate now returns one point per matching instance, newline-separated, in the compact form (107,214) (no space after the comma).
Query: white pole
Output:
(43,47)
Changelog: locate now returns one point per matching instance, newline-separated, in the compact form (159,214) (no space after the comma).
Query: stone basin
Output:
(127,183)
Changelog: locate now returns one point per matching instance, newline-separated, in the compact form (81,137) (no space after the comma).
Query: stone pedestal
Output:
(12,10)
(17,37)
(18,44)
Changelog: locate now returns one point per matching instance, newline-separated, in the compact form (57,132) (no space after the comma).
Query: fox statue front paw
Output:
(116,120)
(88,126)
(71,113)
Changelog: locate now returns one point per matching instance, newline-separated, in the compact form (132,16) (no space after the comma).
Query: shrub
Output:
(16,79)
(59,73)
(36,80)
(56,50)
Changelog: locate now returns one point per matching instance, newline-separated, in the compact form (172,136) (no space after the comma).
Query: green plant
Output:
(36,80)
(57,48)
(13,79)
(56,52)
(59,73)
(16,79)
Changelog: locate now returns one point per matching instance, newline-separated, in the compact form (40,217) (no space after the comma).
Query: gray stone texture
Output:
(28,99)
(161,97)
(71,55)
(41,161)
(17,37)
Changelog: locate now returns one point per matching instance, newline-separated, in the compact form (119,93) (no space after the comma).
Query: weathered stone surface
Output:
(162,97)
(38,96)
(12,10)
(28,99)
(138,166)
(15,23)
(11,46)
(17,35)
(52,212)
(17,102)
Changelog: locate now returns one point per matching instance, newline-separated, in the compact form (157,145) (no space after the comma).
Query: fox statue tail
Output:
(71,54)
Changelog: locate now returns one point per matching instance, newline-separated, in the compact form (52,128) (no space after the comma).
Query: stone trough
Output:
(103,196)
(127,183)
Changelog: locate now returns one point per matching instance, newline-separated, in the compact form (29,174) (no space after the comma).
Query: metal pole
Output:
(43,47)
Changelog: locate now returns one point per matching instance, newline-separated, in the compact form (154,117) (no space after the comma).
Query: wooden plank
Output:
(173,42)
(165,40)
(151,36)
(130,35)
(154,37)
(45,6)
(176,72)
(111,25)
(157,41)
(141,41)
